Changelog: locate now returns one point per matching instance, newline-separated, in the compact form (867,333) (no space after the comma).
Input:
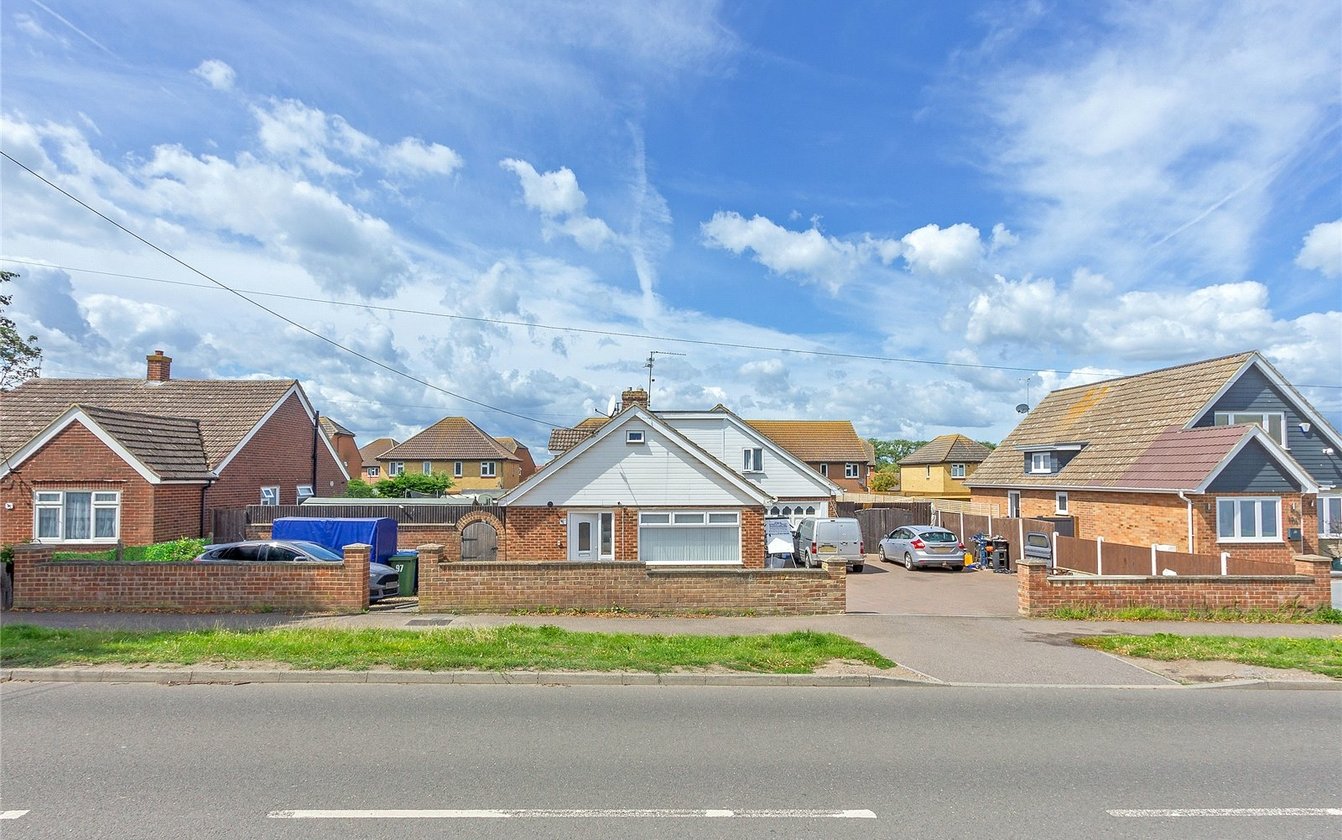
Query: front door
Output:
(591,536)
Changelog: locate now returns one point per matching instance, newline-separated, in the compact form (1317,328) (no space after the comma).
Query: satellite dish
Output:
(1023,408)
(610,406)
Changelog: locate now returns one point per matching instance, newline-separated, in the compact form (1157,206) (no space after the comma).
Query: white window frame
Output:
(303,491)
(850,470)
(824,470)
(1013,504)
(98,500)
(489,469)
(1060,502)
(752,459)
(427,467)
(456,469)
(271,491)
(1238,525)
(396,468)
(957,470)
(635,436)
(693,519)
(374,472)
(1038,458)
(1330,525)
(1261,419)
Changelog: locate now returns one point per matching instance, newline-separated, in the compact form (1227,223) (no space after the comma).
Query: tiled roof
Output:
(1181,459)
(333,428)
(562,440)
(451,438)
(227,409)
(370,451)
(511,444)
(170,446)
(947,449)
(817,441)
(1118,421)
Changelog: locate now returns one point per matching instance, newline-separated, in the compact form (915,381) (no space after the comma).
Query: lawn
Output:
(1321,656)
(478,649)
(1282,615)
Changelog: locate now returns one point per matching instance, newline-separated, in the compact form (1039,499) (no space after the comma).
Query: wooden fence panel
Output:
(1122,559)
(230,525)
(404,513)
(877,522)
(1186,564)
(1076,554)
(1247,566)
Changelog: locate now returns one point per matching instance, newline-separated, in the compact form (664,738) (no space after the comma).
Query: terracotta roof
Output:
(1118,421)
(562,440)
(816,441)
(449,439)
(1181,459)
(370,451)
(333,428)
(511,444)
(227,409)
(170,446)
(946,449)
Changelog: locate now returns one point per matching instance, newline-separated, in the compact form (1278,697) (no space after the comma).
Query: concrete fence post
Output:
(1225,563)
(1099,555)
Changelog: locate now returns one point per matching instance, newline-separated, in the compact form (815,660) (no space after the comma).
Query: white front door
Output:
(591,536)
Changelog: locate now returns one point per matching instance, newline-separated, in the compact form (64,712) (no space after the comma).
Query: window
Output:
(304,491)
(690,537)
(633,436)
(1040,463)
(1241,519)
(850,470)
(753,460)
(957,470)
(396,468)
(456,469)
(1330,516)
(428,467)
(824,470)
(1061,502)
(1272,422)
(76,515)
(488,469)
(1013,504)
(374,472)
(607,551)
(270,496)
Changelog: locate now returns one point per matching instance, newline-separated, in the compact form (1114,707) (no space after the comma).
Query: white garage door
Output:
(690,537)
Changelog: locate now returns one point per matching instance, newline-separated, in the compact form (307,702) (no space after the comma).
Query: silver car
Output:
(383,580)
(923,545)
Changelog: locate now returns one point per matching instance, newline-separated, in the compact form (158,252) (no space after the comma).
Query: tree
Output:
(885,479)
(358,489)
(400,485)
(20,358)
(894,451)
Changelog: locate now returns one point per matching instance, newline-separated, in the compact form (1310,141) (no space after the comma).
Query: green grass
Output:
(172,551)
(1321,656)
(1284,615)
(485,649)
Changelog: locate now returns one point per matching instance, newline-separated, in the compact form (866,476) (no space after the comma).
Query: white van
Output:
(826,538)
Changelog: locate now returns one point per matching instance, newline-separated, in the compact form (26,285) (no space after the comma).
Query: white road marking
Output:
(1230,812)
(577,813)
(11,815)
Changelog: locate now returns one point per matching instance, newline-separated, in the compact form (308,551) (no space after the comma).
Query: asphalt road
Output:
(128,761)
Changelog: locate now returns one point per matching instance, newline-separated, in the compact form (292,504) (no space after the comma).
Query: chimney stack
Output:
(160,367)
(634,396)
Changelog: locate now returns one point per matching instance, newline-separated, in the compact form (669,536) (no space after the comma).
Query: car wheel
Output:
(857,569)
(908,561)
(884,559)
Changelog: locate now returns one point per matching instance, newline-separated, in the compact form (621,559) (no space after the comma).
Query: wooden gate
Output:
(230,525)
(479,541)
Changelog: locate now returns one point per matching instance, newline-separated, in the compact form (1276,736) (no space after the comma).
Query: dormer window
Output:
(1272,422)
(633,436)
(1040,462)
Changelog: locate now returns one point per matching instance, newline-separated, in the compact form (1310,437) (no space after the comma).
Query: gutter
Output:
(1189,502)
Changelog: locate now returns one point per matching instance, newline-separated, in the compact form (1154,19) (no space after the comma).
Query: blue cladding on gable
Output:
(1253,470)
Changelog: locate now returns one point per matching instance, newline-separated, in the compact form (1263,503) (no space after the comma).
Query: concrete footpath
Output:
(930,650)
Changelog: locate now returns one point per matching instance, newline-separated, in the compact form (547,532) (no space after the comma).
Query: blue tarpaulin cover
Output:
(335,534)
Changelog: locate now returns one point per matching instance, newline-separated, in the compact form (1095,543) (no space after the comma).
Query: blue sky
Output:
(1025,194)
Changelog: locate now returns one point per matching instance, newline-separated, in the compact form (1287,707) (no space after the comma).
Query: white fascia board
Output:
(1274,451)
(621,420)
(75,414)
(1297,400)
(296,388)
(754,434)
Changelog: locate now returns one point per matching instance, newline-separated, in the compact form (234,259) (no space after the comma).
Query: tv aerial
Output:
(1024,408)
(652,356)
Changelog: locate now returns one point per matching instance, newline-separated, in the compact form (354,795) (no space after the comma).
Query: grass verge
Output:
(513,647)
(1284,615)
(1321,656)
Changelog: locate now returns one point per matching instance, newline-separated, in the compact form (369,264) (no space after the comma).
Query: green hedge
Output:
(173,551)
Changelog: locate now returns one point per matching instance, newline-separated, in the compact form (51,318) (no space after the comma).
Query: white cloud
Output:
(414,155)
(216,73)
(559,200)
(951,253)
(1322,249)
(809,254)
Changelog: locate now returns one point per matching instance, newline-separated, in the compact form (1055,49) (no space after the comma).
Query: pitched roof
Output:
(1181,459)
(1117,420)
(226,409)
(331,427)
(945,449)
(451,438)
(511,444)
(169,446)
(562,440)
(817,440)
(370,451)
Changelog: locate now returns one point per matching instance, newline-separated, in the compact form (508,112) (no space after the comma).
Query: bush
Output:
(173,551)
(397,486)
(359,489)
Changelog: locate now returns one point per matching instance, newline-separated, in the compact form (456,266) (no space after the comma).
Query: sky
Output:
(915,216)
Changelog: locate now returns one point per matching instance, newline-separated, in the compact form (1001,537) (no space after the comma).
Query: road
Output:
(127,761)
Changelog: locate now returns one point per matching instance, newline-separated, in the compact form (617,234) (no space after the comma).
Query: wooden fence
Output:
(877,522)
(407,513)
(1098,557)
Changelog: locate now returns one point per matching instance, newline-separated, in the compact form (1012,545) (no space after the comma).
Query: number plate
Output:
(828,549)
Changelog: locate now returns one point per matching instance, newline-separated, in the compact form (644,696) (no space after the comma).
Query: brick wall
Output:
(1038,592)
(176,512)
(447,586)
(40,584)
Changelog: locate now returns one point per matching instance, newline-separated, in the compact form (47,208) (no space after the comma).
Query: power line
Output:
(265,308)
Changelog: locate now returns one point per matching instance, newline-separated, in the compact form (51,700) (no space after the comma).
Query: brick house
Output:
(371,470)
(939,468)
(90,462)
(343,441)
(1217,456)
(456,447)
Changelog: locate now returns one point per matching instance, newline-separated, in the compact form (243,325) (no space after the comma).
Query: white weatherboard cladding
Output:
(724,441)
(655,472)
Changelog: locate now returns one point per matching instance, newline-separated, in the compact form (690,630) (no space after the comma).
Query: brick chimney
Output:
(160,367)
(634,396)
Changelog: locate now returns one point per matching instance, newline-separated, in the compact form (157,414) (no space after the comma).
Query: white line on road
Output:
(1230,812)
(575,813)
(11,815)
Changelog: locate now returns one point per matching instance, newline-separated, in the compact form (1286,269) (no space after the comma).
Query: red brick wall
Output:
(446,586)
(1309,587)
(40,584)
(75,459)
(279,454)
(176,512)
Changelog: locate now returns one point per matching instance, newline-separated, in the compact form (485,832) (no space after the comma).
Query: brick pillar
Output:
(1310,565)
(433,571)
(432,553)
(1031,582)
(357,556)
(836,569)
(26,557)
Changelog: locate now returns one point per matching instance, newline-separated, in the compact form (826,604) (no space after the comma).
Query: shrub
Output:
(173,551)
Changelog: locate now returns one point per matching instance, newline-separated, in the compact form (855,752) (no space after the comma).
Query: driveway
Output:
(890,589)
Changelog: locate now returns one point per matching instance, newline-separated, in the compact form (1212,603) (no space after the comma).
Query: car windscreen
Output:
(320,552)
(938,536)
